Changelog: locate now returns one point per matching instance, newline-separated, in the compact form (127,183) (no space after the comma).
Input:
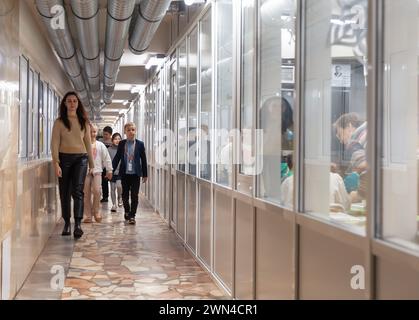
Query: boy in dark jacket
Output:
(133,165)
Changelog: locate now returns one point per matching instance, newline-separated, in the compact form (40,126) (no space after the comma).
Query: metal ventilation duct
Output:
(86,20)
(108,93)
(150,14)
(117,27)
(63,44)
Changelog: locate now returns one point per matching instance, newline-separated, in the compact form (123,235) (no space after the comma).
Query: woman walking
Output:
(71,154)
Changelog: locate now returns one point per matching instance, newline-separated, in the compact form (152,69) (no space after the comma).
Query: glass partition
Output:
(168,113)
(51,118)
(36,115)
(224,95)
(161,111)
(151,117)
(41,137)
(181,112)
(23,112)
(206,96)
(159,119)
(46,119)
(55,106)
(193,100)
(276,99)
(248,84)
(148,119)
(335,127)
(173,108)
(400,161)
(30,114)
(154,120)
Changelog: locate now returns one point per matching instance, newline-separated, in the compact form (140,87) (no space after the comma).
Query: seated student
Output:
(339,199)
(287,182)
(351,131)
(276,117)
(287,192)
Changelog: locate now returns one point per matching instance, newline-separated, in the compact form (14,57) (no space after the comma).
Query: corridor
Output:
(114,260)
(276,143)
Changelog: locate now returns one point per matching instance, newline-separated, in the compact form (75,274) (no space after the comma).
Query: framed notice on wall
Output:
(287,74)
(341,75)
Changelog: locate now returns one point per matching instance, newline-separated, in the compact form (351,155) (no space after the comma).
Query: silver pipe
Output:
(117,27)
(63,43)
(84,97)
(95,95)
(94,83)
(108,92)
(150,14)
(86,20)
(78,83)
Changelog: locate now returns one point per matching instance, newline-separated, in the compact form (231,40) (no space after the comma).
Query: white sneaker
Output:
(113,208)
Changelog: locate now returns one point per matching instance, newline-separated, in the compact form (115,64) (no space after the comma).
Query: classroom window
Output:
(192,101)
(35,126)
(224,95)
(23,108)
(30,114)
(248,85)
(334,120)
(181,115)
(47,137)
(205,115)
(276,100)
(400,162)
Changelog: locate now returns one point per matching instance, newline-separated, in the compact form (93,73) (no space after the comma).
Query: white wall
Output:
(34,45)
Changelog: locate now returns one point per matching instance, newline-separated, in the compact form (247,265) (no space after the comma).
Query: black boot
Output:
(78,232)
(67,228)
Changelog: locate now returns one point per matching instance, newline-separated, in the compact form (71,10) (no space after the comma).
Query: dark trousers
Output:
(105,185)
(130,183)
(71,184)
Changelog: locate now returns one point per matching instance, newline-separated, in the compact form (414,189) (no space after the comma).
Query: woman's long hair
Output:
(81,112)
(287,116)
(286,112)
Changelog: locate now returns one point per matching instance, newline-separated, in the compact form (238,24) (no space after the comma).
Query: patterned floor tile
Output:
(117,261)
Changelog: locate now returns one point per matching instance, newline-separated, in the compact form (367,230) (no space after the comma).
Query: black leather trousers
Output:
(71,184)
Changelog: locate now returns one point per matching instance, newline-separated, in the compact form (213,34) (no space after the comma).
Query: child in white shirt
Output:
(93,183)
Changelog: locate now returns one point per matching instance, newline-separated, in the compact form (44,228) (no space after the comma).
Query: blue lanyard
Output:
(130,155)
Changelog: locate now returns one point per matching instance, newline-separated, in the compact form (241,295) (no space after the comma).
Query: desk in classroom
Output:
(358,209)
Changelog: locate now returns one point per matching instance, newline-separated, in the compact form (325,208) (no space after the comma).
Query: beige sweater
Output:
(75,141)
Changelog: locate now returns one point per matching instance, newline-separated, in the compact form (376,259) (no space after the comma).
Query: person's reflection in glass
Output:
(225,160)
(277,123)
(205,153)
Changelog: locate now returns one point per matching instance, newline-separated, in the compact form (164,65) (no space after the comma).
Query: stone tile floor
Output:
(115,260)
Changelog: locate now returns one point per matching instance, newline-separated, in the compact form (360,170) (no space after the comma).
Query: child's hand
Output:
(109,175)
(145,179)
